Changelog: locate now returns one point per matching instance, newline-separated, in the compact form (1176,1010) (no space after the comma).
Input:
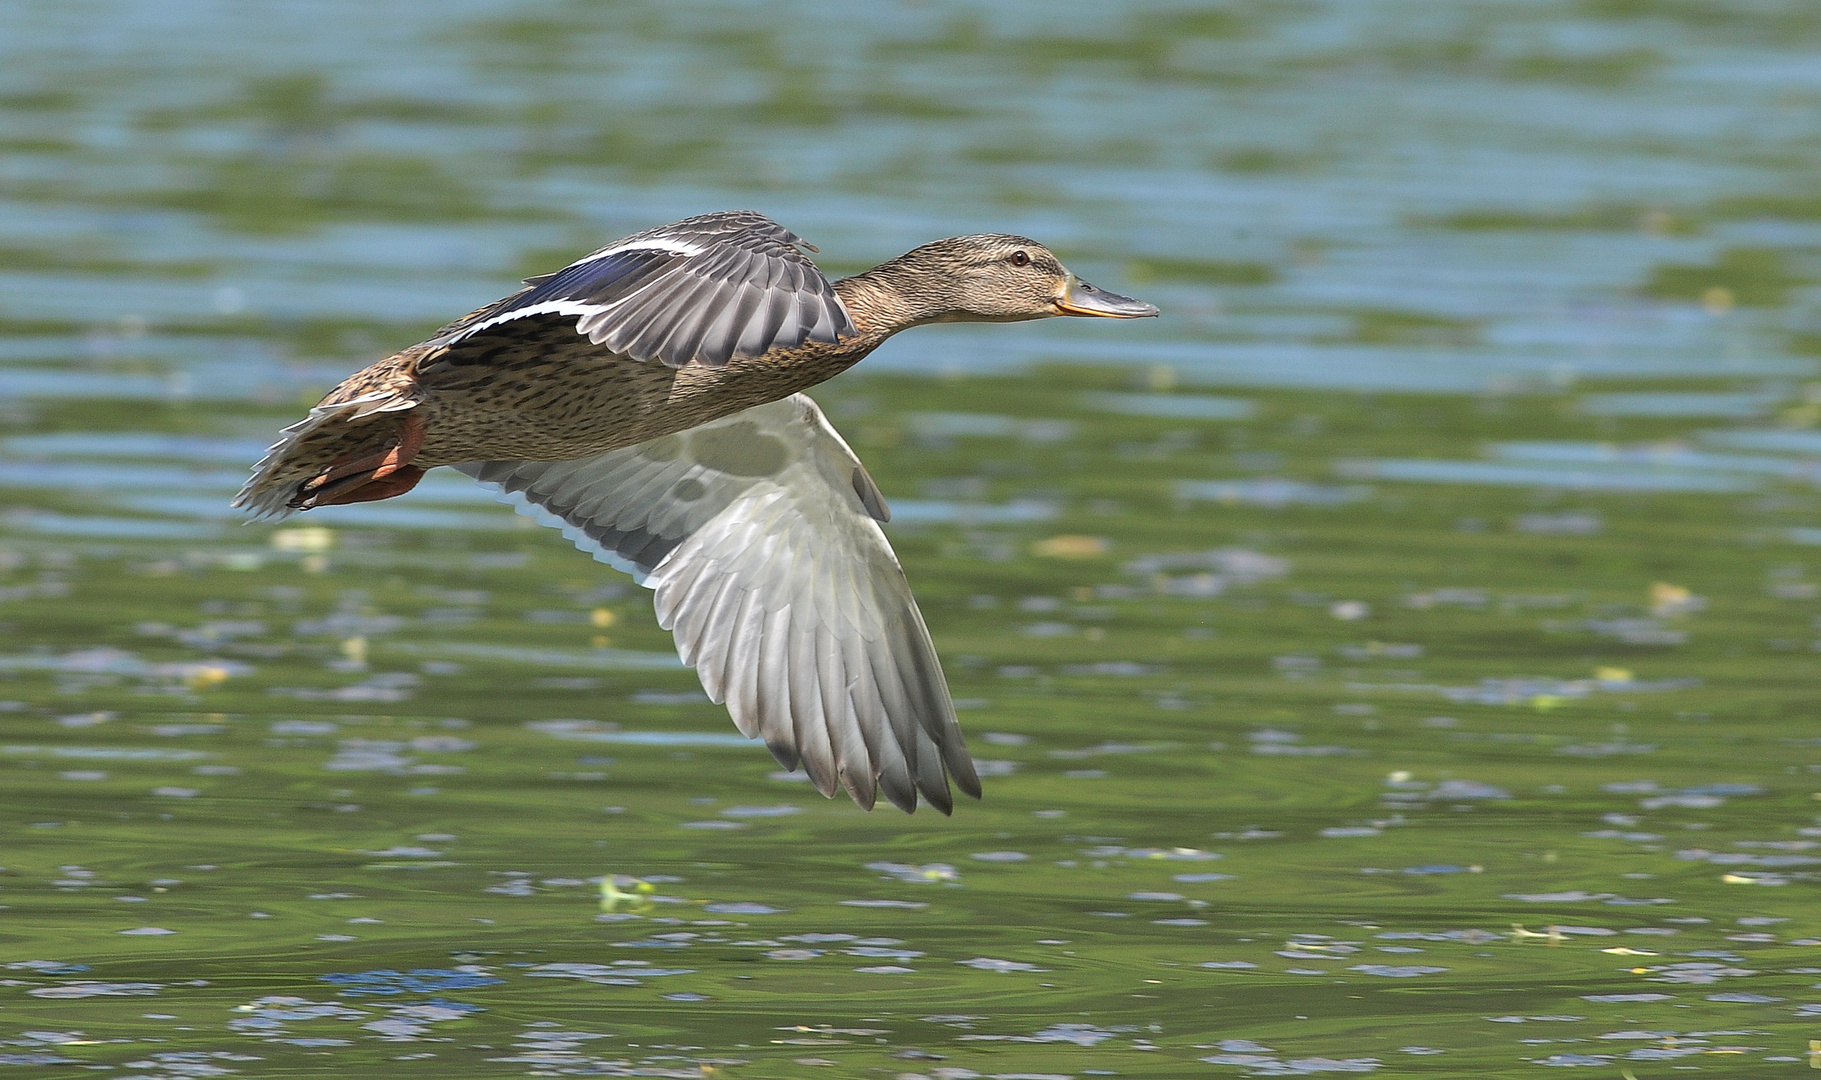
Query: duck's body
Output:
(654,349)
(534,389)
(520,391)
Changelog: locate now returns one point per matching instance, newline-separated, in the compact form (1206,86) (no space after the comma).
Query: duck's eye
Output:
(1021,258)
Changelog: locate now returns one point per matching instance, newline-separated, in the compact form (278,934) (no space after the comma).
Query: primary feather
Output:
(759,534)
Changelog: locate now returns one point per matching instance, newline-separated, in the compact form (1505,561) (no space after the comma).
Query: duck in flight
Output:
(647,400)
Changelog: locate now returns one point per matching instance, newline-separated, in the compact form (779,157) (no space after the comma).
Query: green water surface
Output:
(1401,658)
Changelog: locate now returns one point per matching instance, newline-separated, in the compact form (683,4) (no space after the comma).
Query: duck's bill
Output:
(1083,299)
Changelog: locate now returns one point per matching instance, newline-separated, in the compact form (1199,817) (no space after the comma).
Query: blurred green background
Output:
(1399,658)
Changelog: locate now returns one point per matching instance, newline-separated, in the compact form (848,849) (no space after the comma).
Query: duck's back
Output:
(658,332)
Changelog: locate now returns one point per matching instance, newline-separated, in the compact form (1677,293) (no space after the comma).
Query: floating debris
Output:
(927,874)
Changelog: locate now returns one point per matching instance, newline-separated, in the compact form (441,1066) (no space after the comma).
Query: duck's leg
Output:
(379,475)
(357,489)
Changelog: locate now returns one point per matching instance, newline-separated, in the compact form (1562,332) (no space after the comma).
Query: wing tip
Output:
(903,800)
(784,753)
(970,785)
(860,788)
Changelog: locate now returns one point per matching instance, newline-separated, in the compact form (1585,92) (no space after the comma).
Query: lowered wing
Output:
(760,535)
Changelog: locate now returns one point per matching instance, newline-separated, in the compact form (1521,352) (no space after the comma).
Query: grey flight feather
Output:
(704,290)
(759,534)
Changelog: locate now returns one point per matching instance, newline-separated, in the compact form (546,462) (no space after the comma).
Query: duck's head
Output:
(997,277)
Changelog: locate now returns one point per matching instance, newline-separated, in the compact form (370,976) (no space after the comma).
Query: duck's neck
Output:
(882,301)
(891,297)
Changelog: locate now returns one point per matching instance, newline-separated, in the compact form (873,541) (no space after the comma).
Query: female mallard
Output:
(645,399)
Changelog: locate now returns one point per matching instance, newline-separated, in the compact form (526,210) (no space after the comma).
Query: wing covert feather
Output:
(702,290)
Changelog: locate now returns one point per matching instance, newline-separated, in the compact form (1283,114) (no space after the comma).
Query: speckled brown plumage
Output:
(513,392)
(677,311)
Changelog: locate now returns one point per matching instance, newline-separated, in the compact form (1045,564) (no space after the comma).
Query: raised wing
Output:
(760,534)
(704,289)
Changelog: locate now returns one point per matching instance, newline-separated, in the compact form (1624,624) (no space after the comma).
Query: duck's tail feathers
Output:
(268,494)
